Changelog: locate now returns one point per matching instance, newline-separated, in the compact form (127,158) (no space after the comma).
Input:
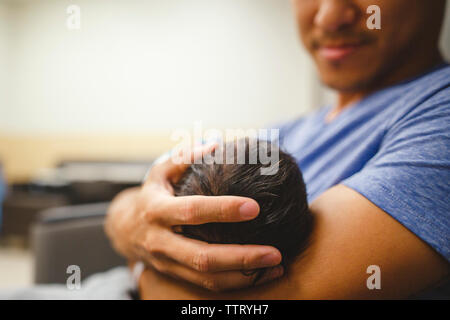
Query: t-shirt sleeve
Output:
(409,177)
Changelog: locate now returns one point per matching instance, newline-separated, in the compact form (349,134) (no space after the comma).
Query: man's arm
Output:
(350,234)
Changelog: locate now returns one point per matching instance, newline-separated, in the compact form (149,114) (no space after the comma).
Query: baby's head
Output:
(284,220)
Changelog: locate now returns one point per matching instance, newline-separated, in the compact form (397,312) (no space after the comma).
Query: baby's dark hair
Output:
(284,220)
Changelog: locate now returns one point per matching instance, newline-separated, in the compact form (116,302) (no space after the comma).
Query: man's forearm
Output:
(350,235)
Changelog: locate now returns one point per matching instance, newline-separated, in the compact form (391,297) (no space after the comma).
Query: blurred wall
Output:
(142,69)
(3,57)
(146,65)
(445,35)
(137,70)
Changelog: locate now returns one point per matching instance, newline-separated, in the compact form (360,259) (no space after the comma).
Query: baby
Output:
(284,220)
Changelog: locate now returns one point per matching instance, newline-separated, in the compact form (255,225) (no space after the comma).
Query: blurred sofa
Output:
(72,182)
(71,235)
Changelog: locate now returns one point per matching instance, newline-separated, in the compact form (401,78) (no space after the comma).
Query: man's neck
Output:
(411,68)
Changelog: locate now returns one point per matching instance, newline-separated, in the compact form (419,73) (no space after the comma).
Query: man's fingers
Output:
(204,257)
(195,210)
(217,282)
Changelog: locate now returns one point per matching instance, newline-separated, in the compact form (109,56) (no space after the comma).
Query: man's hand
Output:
(141,223)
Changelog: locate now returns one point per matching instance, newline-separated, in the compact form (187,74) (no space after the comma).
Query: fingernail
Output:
(269,260)
(249,210)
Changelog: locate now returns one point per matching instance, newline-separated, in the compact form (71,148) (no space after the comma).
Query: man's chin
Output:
(346,85)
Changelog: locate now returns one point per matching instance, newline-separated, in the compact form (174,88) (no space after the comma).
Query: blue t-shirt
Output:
(393,148)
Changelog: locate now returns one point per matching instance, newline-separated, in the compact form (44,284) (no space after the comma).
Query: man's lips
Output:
(337,52)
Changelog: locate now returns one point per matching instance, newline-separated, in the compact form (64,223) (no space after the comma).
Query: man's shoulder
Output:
(429,84)
(431,87)
(438,77)
(425,99)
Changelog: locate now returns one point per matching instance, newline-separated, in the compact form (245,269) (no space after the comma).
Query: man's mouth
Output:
(338,52)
